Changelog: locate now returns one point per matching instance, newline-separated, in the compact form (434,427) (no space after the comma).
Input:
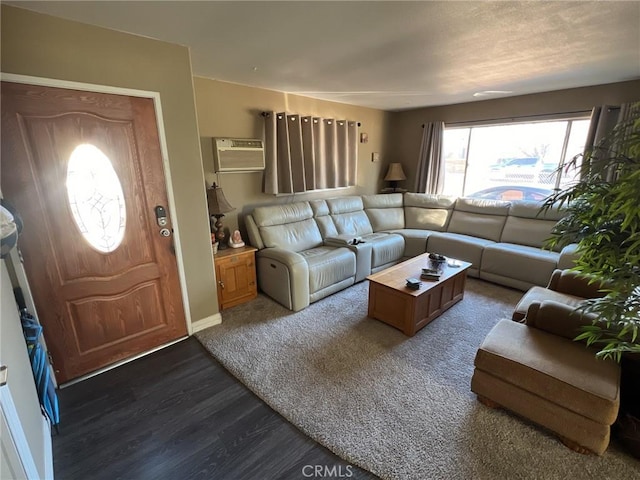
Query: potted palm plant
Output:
(603,218)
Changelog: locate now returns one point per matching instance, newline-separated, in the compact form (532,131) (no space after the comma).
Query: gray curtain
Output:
(304,153)
(430,173)
(603,121)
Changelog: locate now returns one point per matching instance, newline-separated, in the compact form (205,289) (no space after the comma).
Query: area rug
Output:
(396,406)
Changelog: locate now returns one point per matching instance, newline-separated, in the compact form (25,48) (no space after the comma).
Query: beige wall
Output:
(45,46)
(406,126)
(231,110)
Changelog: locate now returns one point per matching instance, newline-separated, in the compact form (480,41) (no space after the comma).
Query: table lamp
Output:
(218,206)
(394,175)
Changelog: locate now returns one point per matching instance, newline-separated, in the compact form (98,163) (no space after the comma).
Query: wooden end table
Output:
(236,276)
(390,301)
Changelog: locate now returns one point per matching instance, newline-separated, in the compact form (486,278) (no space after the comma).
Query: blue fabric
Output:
(40,366)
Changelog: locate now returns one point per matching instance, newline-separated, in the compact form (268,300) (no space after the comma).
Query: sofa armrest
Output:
(284,276)
(557,318)
(287,257)
(343,240)
(254,232)
(568,256)
(575,283)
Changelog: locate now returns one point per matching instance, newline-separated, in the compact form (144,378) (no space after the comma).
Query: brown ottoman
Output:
(550,380)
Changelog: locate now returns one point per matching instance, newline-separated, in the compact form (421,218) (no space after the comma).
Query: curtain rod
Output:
(524,117)
(266,114)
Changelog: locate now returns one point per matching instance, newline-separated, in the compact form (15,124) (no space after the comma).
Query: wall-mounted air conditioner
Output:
(238,155)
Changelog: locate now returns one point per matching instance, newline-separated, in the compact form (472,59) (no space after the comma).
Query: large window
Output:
(517,161)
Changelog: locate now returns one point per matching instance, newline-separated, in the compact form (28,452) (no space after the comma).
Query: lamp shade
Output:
(395,173)
(218,204)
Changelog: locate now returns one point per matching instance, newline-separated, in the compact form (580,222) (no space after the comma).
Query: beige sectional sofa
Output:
(308,250)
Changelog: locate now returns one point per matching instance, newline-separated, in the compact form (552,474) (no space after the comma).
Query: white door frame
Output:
(155,96)
(17,438)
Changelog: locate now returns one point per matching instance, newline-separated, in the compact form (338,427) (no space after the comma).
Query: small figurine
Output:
(236,240)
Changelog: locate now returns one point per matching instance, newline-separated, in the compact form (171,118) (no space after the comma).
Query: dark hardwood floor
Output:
(178,414)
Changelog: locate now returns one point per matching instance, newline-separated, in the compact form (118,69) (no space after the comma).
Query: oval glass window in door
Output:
(96,198)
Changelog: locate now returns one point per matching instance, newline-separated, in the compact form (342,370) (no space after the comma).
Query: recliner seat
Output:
(475,224)
(294,266)
(521,248)
(350,219)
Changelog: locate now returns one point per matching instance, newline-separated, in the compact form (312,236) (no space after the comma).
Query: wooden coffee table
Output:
(409,310)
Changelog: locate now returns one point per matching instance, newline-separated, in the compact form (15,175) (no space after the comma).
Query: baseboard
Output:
(206,322)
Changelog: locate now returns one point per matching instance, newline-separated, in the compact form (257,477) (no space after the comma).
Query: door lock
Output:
(161,218)
(165,232)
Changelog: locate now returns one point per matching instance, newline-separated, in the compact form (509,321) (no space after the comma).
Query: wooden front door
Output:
(85,172)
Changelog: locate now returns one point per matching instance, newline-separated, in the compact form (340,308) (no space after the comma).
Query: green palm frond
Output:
(603,218)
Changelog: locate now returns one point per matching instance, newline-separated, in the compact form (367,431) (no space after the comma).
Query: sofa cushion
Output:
(324,221)
(327,227)
(558,319)
(479,218)
(328,265)
(385,219)
(319,208)
(426,211)
(530,209)
(458,246)
(348,216)
(382,200)
(386,248)
(429,200)
(282,214)
(344,205)
(553,368)
(352,223)
(415,240)
(527,231)
(526,224)
(482,206)
(290,226)
(294,236)
(385,212)
(528,264)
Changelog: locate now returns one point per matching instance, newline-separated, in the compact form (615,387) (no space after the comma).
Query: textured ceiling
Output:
(388,55)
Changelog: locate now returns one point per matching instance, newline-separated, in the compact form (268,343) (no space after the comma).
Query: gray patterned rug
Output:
(399,407)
